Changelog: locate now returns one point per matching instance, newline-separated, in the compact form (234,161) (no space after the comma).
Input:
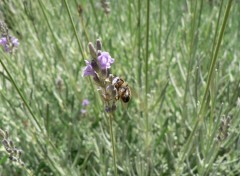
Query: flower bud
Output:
(99,45)
(92,50)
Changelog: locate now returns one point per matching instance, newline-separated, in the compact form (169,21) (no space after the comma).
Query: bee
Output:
(123,91)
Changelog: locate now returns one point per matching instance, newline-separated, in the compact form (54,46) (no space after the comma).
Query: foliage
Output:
(175,122)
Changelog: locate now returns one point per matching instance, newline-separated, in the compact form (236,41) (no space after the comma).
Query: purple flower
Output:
(3,41)
(105,61)
(85,102)
(14,41)
(88,70)
(83,111)
(9,43)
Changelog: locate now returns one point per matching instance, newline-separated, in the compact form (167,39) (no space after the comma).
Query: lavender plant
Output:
(99,69)
(14,153)
(8,42)
(109,86)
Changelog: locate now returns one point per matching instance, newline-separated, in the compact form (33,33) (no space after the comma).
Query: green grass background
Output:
(172,122)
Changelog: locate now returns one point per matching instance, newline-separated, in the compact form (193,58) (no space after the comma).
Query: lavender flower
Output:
(85,102)
(88,70)
(14,153)
(99,68)
(9,43)
(105,61)
(83,111)
(15,41)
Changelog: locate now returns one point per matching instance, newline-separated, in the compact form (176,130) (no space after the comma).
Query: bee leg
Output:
(117,97)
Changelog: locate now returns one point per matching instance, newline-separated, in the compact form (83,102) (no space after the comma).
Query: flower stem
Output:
(37,125)
(139,45)
(146,78)
(113,144)
(75,31)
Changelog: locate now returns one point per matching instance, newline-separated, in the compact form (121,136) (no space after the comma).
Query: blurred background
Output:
(180,120)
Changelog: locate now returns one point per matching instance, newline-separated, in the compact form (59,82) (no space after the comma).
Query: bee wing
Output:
(134,92)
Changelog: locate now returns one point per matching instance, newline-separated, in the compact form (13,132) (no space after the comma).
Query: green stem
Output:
(36,124)
(29,172)
(191,59)
(96,17)
(139,45)
(113,144)
(75,31)
(146,68)
(160,28)
(214,58)
(73,82)
(78,40)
